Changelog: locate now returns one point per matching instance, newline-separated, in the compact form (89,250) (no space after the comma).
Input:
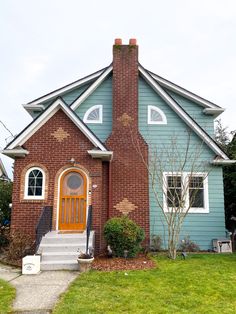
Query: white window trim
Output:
(34,197)
(87,113)
(164,120)
(185,176)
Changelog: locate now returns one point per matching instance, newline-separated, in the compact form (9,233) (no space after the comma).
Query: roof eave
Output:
(13,153)
(105,156)
(213,111)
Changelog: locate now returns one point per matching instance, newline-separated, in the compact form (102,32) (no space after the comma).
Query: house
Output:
(88,145)
(3,172)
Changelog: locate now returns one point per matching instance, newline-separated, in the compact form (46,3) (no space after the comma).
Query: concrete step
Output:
(58,256)
(60,265)
(61,247)
(54,240)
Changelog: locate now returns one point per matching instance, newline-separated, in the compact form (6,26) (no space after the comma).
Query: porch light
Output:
(72,161)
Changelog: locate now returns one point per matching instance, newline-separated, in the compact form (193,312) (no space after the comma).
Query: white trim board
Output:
(91,88)
(45,116)
(66,88)
(181,113)
(183,92)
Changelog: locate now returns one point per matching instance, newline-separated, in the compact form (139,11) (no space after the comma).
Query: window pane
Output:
(173,197)
(155,116)
(196,198)
(94,115)
(174,181)
(196,182)
(35,183)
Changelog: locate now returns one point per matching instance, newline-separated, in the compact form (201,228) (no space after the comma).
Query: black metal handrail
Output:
(44,224)
(88,227)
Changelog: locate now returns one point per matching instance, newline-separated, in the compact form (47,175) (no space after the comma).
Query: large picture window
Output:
(34,183)
(186,190)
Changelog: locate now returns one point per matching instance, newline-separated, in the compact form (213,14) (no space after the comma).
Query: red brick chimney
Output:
(128,173)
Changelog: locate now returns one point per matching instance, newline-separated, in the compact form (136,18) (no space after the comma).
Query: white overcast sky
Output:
(49,43)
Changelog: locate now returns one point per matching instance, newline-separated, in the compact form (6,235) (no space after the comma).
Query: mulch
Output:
(103,263)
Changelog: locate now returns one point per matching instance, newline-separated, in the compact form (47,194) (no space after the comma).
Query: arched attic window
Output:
(93,114)
(156,115)
(34,183)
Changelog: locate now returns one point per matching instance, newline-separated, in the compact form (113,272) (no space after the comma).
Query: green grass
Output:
(203,283)
(7,295)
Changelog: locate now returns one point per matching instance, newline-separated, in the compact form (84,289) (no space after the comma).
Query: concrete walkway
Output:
(36,293)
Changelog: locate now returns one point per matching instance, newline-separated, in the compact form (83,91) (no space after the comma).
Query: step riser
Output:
(65,248)
(71,266)
(58,258)
(63,240)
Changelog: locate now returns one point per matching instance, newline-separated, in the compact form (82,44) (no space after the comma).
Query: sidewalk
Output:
(37,293)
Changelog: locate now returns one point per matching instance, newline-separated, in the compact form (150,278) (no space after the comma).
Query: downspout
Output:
(109,190)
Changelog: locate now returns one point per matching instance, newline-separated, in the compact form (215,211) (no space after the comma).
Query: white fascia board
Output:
(181,113)
(100,154)
(213,111)
(222,162)
(183,92)
(17,152)
(31,108)
(45,116)
(66,88)
(89,91)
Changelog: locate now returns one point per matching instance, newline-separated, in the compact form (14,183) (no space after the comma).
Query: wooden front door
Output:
(73,194)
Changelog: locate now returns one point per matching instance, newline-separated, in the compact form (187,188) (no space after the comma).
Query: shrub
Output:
(123,234)
(20,245)
(156,243)
(187,245)
(4,236)
(5,200)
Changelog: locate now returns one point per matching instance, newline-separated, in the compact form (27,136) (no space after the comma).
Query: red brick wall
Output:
(54,156)
(129,186)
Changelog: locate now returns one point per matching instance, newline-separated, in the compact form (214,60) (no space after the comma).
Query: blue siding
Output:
(201,228)
(196,112)
(101,96)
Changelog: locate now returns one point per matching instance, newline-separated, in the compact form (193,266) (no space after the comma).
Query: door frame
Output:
(59,188)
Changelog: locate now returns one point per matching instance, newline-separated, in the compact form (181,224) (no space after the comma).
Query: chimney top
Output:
(118,41)
(132,41)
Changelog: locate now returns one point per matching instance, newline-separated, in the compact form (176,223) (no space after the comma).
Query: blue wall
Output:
(201,228)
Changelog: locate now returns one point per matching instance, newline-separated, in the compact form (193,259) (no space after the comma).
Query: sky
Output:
(49,43)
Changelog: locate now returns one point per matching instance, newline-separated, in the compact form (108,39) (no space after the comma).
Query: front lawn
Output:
(7,295)
(203,283)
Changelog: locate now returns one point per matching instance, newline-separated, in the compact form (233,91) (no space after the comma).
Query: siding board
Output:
(201,228)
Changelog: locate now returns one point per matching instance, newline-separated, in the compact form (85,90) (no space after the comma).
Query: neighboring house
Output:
(3,172)
(78,151)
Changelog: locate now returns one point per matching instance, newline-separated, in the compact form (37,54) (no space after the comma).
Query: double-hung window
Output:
(186,191)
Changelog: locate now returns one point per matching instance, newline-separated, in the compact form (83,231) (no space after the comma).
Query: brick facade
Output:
(53,156)
(118,188)
(129,186)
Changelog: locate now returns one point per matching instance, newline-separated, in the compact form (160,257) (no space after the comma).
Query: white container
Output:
(31,265)
(222,245)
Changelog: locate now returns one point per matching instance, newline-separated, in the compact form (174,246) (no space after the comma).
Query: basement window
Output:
(156,115)
(93,114)
(34,183)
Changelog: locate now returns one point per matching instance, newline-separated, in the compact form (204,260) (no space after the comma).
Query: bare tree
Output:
(178,174)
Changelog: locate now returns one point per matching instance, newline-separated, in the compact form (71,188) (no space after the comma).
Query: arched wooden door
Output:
(73,194)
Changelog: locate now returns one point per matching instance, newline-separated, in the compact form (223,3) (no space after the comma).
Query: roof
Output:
(22,137)
(159,84)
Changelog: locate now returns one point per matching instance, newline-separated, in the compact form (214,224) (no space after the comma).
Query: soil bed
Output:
(104,263)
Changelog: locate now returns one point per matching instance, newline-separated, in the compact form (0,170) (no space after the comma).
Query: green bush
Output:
(122,234)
